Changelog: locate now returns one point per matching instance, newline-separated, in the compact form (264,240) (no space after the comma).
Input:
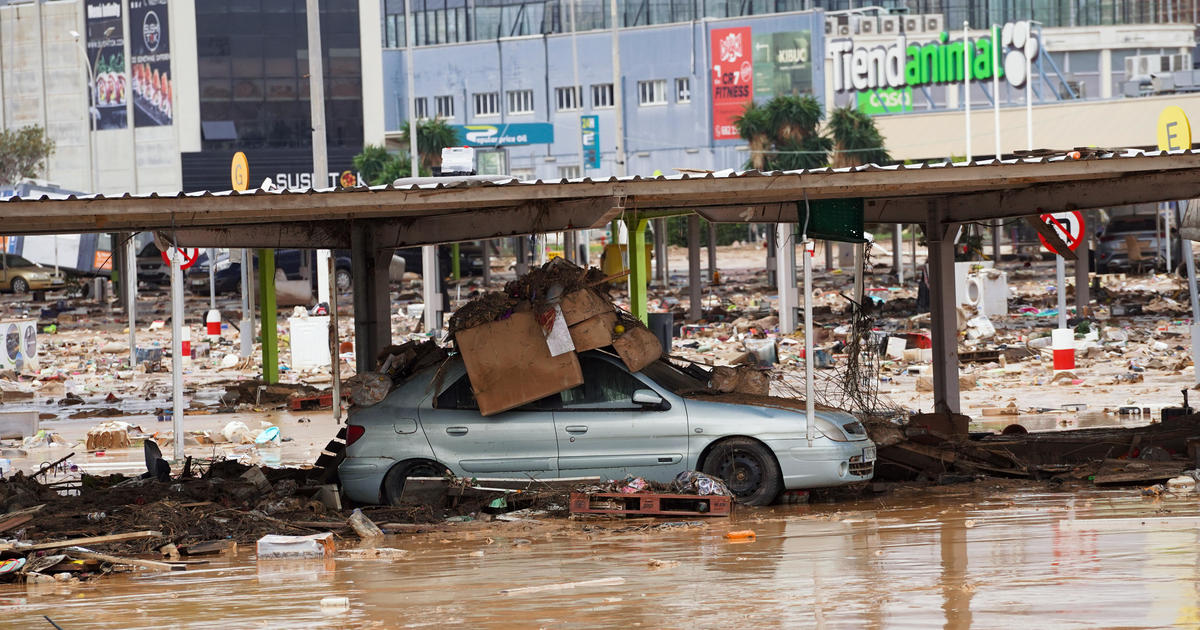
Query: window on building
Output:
(652,92)
(568,98)
(602,96)
(487,104)
(444,106)
(520,102)
(569,172)
(421,107)
(683,90)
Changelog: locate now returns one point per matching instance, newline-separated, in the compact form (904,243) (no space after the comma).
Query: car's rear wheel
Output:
(19,285)
(393,482)
(747,468)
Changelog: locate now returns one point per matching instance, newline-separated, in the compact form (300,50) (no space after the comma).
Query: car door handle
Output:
(576,428)
(456,430)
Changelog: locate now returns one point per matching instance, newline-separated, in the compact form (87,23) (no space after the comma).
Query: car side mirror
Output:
(650,398)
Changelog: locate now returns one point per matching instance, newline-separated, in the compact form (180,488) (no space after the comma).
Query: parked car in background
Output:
(647,424)
(470,259)
(17,274)
(1115,240)
(227,273)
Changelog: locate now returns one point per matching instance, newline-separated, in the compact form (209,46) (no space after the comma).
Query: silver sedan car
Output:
(646,424)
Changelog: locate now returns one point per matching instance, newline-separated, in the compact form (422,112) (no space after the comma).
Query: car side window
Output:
(459,395)
(605,386)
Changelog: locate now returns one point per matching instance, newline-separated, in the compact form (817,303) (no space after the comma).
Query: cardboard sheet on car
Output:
(583,304)
(594,332)
(509,364)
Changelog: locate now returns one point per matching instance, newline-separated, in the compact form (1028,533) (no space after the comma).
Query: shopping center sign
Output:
(905,65)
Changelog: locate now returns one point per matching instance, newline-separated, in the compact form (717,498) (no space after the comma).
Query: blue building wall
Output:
(658,137)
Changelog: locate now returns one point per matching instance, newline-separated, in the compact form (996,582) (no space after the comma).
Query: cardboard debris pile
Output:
(521,345)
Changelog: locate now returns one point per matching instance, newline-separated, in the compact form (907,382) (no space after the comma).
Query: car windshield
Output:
(673,378)
(149,249)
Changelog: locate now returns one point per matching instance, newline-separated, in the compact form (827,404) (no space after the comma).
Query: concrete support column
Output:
(1083,290)
(520,244)
(696,310)
(487,262)
(372,303)
(897,255)
(785,259)
(712,251)
(828,255)
(943,315)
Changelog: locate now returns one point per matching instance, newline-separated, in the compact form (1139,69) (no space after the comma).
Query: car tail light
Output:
(353,432)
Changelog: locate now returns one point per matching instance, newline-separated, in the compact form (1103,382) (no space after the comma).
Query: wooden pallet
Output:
(649,504)
(312,402)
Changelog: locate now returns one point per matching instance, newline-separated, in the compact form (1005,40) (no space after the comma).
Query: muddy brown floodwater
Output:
(973,555)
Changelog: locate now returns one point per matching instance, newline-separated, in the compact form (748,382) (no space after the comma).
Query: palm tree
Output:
(794,118)
(433,135)
(378,167)
(756,127)
(856,139)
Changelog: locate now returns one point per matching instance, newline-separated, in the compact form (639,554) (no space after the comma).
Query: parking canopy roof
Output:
(437,211)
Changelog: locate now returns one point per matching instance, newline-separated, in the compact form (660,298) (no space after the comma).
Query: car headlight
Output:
(840,432)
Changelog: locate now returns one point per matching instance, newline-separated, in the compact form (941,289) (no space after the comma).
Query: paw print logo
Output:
(1019,44)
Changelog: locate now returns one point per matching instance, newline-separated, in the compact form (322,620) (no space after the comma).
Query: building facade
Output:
(157,95)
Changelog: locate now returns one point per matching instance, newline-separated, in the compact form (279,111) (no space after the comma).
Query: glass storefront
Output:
(253,62)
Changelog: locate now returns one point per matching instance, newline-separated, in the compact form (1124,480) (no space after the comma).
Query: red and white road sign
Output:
(189,257)
(1069,226)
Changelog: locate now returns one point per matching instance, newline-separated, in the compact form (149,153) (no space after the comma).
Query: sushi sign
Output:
(150,52)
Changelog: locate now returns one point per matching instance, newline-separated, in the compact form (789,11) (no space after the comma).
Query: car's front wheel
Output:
(393,482)
(747,468)
(342,279)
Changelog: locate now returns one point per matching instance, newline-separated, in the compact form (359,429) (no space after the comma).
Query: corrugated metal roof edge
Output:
(1065,156)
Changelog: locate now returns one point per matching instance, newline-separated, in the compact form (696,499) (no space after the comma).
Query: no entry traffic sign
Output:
(1069,226)
(189,257)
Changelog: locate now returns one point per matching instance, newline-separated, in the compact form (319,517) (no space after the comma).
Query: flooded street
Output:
(972,555)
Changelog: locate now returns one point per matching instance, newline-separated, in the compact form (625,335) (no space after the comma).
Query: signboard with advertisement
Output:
(589,129)
(106,57)
(150,55)
(289,169)
(902,65)
(783,64)
(504,135)
(732,79)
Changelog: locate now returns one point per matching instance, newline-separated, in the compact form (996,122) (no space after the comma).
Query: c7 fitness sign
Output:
(941,61)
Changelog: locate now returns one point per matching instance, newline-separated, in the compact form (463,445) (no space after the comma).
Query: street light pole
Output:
(88,111)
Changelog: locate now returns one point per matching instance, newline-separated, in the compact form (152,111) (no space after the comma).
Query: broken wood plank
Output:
(209,547)
(137,562)
(91,540)
(15,521)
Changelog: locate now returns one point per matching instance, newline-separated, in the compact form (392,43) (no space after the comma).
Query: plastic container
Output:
(743,534)
(212,323)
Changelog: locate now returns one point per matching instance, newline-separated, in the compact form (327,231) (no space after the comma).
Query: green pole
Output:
(455,272)
(268,316)
(639,268)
